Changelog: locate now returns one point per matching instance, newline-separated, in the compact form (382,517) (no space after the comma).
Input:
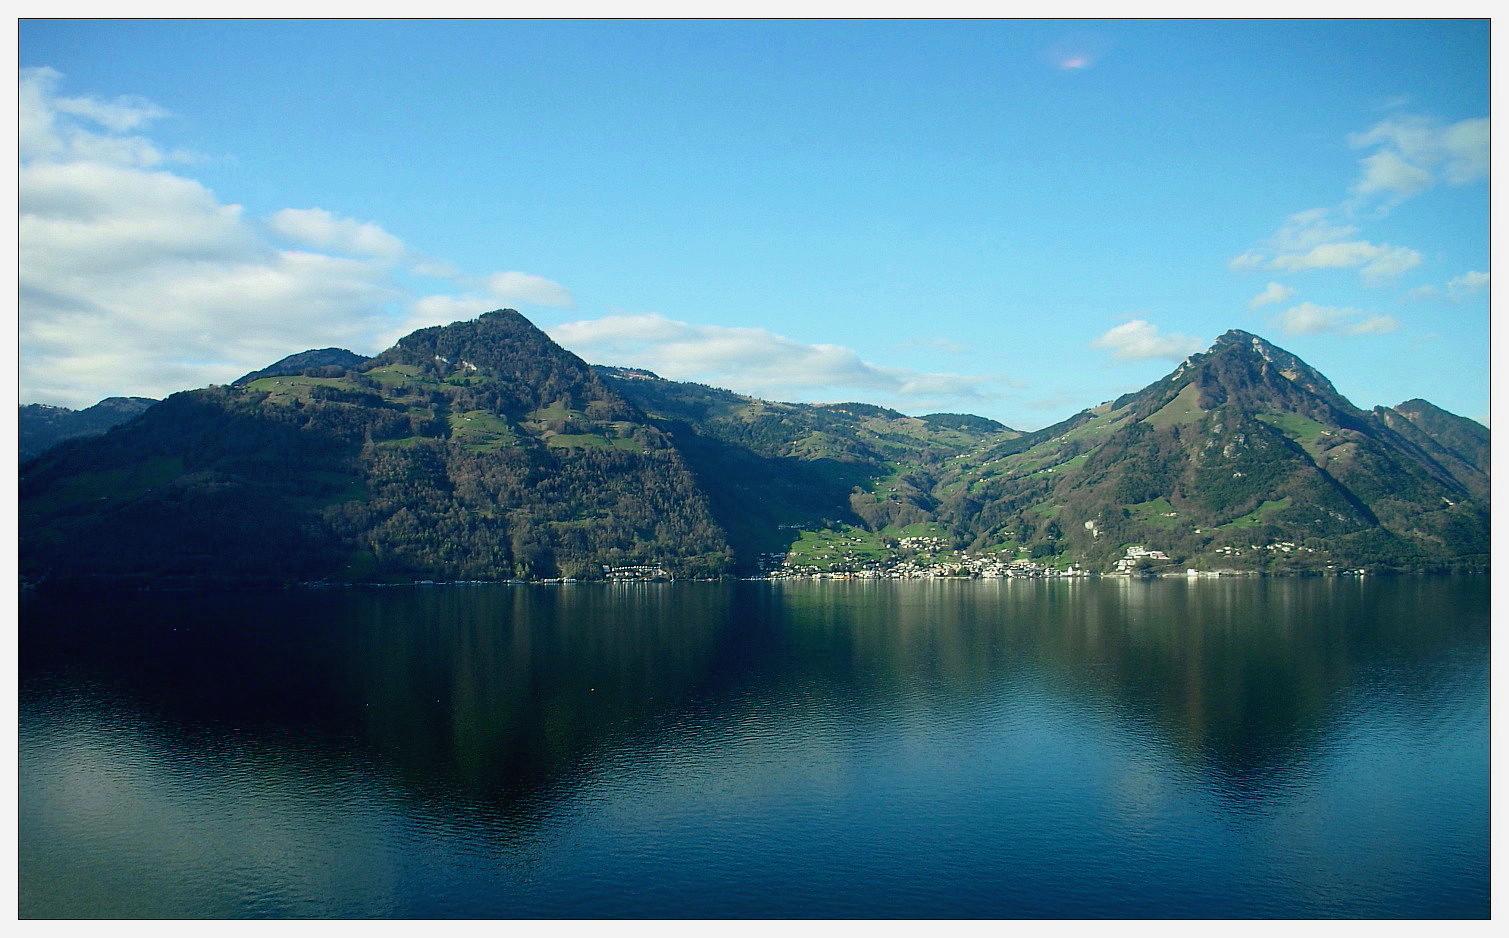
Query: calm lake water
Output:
(795,749)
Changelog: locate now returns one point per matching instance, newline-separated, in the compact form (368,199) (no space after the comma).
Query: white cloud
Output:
(1413,153)
(118,116)
(1388,172)
(87,219)
(170,325)
(1311,240)
(1466,148)
(756,361)
(1457,289)
(1140,339)
(1473,281)
(315,227)
(1273,293)
(1387,262)
(527,288)
(137,280)
(1373,325)
(1308,229)
(1409,154)
(52,127)
(1311,319)
(1376,263)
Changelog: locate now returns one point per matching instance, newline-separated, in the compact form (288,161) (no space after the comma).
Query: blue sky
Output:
(1015,219)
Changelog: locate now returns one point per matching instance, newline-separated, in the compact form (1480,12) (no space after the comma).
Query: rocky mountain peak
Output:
(1249,369)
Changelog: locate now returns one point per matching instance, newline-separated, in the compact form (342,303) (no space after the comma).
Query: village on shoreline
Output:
(929,557)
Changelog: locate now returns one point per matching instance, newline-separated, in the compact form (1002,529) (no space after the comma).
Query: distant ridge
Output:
(1460,445)
(43,426)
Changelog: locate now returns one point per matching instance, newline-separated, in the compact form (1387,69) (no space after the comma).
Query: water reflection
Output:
(490,693)
(463,728)
(1238,675)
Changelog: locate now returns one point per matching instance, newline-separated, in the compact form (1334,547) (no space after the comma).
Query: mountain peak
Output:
(490,331)
(1233,335)
(530,369)
(327,361)
(1248,370)
(506,314)
(1238,338)
(1285,362)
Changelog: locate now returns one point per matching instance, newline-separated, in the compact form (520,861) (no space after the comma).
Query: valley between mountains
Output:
(483,450)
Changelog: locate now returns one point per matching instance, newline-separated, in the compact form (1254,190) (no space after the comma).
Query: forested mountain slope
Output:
(1241,448)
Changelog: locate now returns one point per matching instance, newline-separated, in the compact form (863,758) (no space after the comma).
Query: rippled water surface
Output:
(799,749)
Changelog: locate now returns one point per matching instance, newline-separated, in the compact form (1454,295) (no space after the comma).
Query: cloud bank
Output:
(1312,240)
(1313,319)
(1413,153)
(1405,156)
(318,228)
(758,362)
(1474,281)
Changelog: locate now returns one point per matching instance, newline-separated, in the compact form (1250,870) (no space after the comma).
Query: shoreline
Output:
(104,585)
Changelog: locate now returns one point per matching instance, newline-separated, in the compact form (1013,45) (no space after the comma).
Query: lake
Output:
(991,748)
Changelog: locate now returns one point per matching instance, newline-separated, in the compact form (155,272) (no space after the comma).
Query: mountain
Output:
(483,450)
(1241,448)
(478,450)
(1459,445)
(43,426)
(1242,445)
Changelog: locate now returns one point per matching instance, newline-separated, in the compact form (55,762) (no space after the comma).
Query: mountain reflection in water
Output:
(818,748)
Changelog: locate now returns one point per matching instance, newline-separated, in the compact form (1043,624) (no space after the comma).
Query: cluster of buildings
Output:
(921,543)
(1287,547)
(916,560)
(636,572)
(894,568)
(1284,547)
(1136,556)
